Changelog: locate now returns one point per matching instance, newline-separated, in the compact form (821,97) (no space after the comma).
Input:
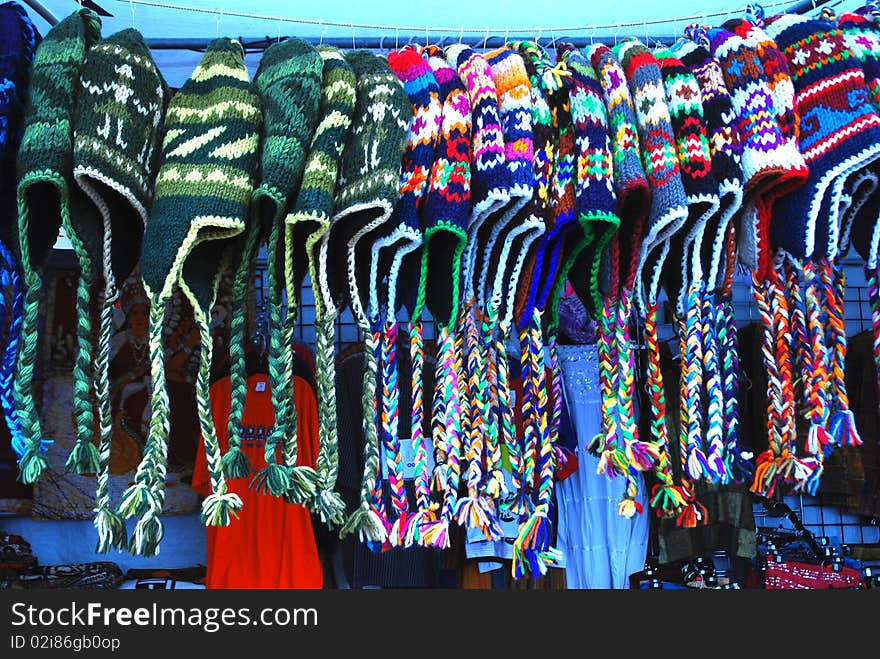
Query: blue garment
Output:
(600,547)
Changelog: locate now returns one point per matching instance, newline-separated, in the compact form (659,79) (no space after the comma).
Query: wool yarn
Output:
(203,191)
(116,146)
(364,201)
(311,213)
(48,201)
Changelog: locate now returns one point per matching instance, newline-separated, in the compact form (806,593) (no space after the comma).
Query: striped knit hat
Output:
(116,146)
(618,275)
(840,132)
(19,40)
(669,200)
(725,149)
(692,145)
(506,238)
(48,200)
(311,214)
(423,91)
(288,82)
(447,208)
(203,191)
(596,204)
(769,166)
(368,189)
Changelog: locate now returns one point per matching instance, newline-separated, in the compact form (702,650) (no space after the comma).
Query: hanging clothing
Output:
(601,548)
(271,544)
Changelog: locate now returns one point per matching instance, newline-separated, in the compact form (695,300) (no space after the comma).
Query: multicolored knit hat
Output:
(596,200)
(203,192)
(423,91)
(725,149)
(692,145)
(618,276)
(368,189)
(768,165)
(48,200)
(312,212)
(840,132)
(668,201)
(503,247)
(19,41)
(115,157)
(288,82)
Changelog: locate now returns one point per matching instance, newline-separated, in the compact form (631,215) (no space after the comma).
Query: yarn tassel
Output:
(111,530)
(218,509)
(367,523)
(235,463)
(272,479)
(83,458)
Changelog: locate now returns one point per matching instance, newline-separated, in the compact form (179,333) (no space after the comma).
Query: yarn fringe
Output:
(367,523)
(111,530)
(219,509)
(235,464)
(303,485)
(475,512)
(697,464)
(330,507)
(148,534)
(31,465)
(842,427)
(137,501)
(692,515)
(531,551)
(273,478)
(433,534)
(83,458)
(667,500)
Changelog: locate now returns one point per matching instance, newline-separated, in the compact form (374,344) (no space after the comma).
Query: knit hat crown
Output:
(116,140)
(205,181)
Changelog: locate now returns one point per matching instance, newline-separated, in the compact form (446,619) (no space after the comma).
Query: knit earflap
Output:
(288,82)
(203,191)
(445,216)
(368,188)
(116,148)
(47,201)
(423,90)
(19,42)
(311,212)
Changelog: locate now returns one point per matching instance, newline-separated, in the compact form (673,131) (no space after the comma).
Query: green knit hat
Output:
(116,138)
(311,217)
(369,184)
(370,173)
(47,200)
(203,191)
(288,81)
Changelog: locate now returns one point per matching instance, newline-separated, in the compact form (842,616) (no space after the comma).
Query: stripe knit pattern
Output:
(19,42)
(839,132)
(423,91)
(288,82)
(203,190)
(116,140)
(368,188)
(45,196)
(311,213)
(596,198)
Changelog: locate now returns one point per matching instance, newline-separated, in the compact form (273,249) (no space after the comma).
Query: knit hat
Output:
(116,148)
(368,188)
(505,238)
(288,82)
(859,223)
(767,164)
(692,145)
(423,91)
(48,200)
(596,201)
(447,206)
(490,176)
(669,201)
(314,202)
(840,132)
(725,150)
(618,273)
(203,191)
(630,182)
(18,41)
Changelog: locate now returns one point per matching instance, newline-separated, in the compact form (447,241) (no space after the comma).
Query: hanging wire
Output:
(475,30)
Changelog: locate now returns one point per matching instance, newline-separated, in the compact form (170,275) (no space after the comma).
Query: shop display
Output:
(538,245)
